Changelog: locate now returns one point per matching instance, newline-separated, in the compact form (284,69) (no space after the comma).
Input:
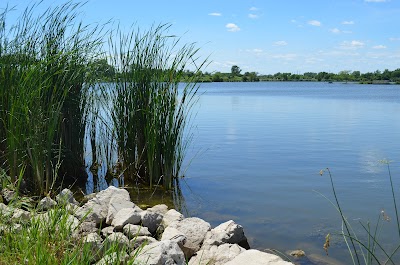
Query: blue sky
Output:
(268,36)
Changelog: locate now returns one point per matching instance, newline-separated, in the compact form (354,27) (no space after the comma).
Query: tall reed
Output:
(150,107)
(42,75)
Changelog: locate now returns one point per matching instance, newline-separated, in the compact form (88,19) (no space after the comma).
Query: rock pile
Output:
(154,236)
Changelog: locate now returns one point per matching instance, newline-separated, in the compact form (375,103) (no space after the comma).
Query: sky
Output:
(267,36)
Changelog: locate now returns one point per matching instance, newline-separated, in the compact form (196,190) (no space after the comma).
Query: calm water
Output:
(258,149)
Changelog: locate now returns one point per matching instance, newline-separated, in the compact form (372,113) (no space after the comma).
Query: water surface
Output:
(258,149)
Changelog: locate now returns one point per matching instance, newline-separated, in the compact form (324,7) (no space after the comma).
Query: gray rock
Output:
(66,196)
(256,257)
(228,232)
(297,253)
(160,253)
(175,235)
(126,216)
(151,220)
(84,229)
(106,231)
(117,239)
(46,204)
(8,195)
(96,209)
(216,255)
(171,216)
(72,208)
(195,230)
(113,258)
(5,210)
(132,231)
(117,204)
(141,241)
(160,209)
(94,242)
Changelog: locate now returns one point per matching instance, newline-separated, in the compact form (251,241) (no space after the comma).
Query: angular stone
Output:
(132,231)
(126,216)
(174,235)
(160,209)
(94,241)
(84,229)
(256,257)
(118,239)
(228,232)
(151,220)
(46,204)
(141,241)
(5,210)
(96,209)
(216,255)
(66,196)
(160,253)
(8,195)
(117,204)
(106,231)
(195,230)
(21,215)
(171,216)
(113,258)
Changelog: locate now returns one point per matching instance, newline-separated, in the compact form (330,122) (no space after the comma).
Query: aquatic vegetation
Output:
(366,249)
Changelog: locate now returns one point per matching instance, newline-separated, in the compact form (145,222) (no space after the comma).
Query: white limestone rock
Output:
(228,232)
(151,220)
(160,253)
(256,257)
(46,204)
(117,204)
(126,216)
(171,216)
(132,231)
(66,196)
(118,239)
(216,255)
(141,241)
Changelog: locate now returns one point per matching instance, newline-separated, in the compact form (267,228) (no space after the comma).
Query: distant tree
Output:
(235,70)
(217,77)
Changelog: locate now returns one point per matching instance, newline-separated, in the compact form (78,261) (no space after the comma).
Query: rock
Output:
(228,232)
(94,241)
(84,229)
(297,253)
(5,210)
(171,216)
(160,209)
(8,195)
(151,220)
(117,239)
(216,255)
(106,231)
(256,257)
(113,258)
(116,204)
(126,216)
(46,204)
(160,253)
(72,208)
(96,209)
(132,231)
(141,241)
(72,222)
(174,235)
(195,230)
(66,196)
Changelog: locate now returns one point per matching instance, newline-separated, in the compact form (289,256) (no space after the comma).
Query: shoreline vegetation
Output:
(236,75)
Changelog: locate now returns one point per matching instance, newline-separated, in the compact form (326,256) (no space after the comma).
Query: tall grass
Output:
(149,106)
(368,249)
(42,77)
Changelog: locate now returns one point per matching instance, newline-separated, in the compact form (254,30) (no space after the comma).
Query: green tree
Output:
(235,70)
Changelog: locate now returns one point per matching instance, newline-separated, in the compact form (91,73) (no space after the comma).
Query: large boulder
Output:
(116,204)
(160,253)
(96,209)
(228,232)
(171,216)
(151,220)
(195,230)
(126,216)
(216,255)
(256,257)
(175,235)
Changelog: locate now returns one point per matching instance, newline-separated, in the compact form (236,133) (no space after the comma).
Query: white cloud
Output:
(335,30)
(376,1)
(379,47)
(232,27)
(348,22)
(280,43)
(314,23)
(253,16)
(394,39)
(253,9)
(352,45)
(215,14)
(257,50)
(287,57)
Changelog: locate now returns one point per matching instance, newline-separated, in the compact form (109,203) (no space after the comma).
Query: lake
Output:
(258,148)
